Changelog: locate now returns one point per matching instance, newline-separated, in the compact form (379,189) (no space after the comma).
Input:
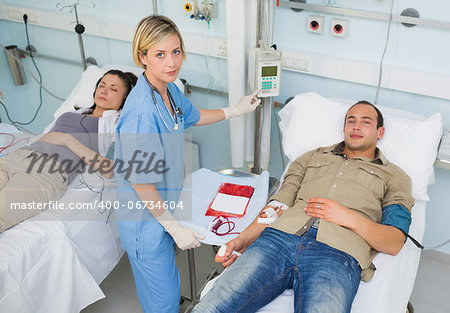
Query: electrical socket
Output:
(16,14)
(222,51)
(339,28)
(315,24)
(295,62)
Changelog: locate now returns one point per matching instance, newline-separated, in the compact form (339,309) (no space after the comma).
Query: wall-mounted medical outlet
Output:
(339,28)
(189,7)
(16,14)
(315,24)
(210,8)
(204,10)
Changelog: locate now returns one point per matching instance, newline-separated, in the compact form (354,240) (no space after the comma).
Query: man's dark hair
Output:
(380,120)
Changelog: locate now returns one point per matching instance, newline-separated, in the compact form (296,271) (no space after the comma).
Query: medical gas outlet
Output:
(200,10)
(315,24)
(188,7)
(339,28)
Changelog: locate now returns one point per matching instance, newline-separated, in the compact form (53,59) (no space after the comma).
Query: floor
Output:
(431,292)
(120,291)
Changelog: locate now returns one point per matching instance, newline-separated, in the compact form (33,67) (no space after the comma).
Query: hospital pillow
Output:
(310,121)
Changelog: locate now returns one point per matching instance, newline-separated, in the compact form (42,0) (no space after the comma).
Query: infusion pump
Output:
(264,71)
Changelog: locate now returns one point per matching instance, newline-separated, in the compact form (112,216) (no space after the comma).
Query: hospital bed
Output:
(410,141)
(55,261)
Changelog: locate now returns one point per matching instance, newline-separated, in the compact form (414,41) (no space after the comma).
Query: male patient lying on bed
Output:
(344,203)
(40,172)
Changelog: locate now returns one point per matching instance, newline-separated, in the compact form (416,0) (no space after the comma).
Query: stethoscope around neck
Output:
(177,111)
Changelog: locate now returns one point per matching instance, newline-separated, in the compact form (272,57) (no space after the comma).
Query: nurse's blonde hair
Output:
(150,31)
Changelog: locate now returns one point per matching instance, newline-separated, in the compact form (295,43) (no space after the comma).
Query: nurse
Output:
(150,147)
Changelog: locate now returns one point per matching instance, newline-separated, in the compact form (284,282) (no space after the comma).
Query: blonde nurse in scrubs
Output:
(150,142)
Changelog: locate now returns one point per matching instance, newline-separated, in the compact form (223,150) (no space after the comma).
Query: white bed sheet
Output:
(55,261)
(392,284)
(96,242)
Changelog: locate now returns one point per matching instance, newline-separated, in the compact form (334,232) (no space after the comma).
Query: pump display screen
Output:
(269,71)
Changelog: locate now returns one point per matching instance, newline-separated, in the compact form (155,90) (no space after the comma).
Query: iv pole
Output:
(258,112)
(265,102)
(79,29)
(155,7)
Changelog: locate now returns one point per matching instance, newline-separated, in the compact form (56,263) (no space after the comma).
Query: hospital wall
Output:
(419,48)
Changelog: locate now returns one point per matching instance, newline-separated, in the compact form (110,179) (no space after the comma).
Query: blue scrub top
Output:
(150,153)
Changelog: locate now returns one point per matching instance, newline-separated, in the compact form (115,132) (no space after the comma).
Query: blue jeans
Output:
(324,279)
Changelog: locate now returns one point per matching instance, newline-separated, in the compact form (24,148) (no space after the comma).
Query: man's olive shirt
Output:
(361,184)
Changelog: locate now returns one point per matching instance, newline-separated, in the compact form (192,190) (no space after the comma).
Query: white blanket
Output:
(41,272)
(55,261)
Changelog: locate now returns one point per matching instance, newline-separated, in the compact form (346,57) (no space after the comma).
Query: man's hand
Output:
(234,245)
(330,211)
(245,239)
(383,238)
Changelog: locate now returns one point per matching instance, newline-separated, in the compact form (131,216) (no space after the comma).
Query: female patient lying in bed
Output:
(40,172)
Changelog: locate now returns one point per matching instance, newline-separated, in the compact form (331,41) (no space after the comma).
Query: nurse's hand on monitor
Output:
(245,105)
(184,237)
